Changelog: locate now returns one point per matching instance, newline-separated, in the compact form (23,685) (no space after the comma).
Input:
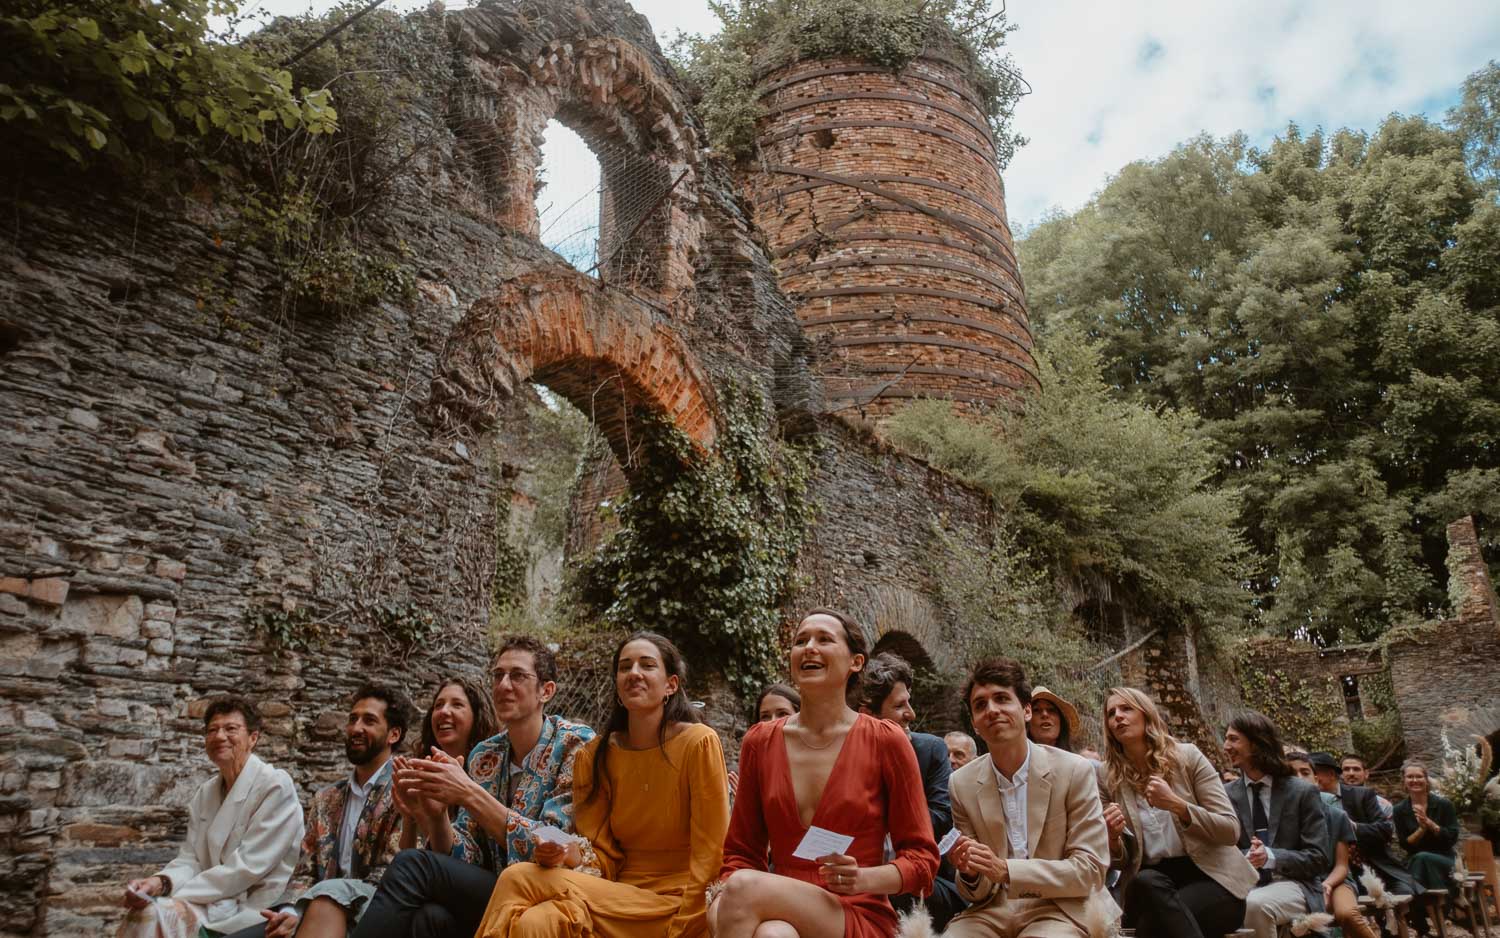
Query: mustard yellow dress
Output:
(655,846)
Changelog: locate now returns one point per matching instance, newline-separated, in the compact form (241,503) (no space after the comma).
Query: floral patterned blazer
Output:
(543,793)
(376,838)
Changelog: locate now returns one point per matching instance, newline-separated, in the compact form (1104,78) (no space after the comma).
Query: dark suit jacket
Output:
(1298,832)
(932,757)
(1373,832)
(1442,812)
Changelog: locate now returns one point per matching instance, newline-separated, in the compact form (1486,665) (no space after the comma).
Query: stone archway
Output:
(607,353)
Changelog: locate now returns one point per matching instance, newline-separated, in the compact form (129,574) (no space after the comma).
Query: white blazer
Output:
(241,847)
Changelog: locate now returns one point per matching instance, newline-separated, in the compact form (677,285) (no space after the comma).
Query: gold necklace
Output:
(809,745)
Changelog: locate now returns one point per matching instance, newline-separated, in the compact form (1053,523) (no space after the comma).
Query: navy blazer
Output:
(1373,832)
(932,757)
(1298,832)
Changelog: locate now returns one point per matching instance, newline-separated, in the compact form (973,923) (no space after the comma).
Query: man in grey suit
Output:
(1283,830)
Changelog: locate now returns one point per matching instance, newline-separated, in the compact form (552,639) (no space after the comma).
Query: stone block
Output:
(38,720)
(156,628)
(101,835)
(86,419)
(15,586)
(159,646)
(115,615)
(171,569)
(44,781)
(12,605)
(51,590)
(17,651)
(132,657)
(163,611)
(114,707)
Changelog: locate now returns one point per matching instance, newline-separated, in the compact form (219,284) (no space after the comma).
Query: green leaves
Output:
(1329,308)
(70,79)
(707,541)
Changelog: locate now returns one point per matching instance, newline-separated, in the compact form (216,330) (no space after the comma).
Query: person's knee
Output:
(1151,881)
(775,930)
(742,888)
(539,921)
(433,921)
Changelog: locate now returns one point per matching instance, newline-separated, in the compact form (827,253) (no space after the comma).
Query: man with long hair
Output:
(1283,831)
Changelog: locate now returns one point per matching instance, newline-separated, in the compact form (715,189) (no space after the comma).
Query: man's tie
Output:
(1261,823)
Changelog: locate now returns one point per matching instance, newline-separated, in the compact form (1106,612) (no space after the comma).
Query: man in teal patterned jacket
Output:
(353,828)
(516,781)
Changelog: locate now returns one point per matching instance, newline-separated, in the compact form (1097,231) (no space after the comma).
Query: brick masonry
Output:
(885,212)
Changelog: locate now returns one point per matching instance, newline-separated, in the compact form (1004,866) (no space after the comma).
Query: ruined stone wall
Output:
(879,194)
(187,467)
(1166,667)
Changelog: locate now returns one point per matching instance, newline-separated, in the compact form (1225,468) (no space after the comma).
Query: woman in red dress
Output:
(829,767)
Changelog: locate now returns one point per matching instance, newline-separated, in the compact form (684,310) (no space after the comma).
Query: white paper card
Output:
(820,843)
(550,834)
(949,839)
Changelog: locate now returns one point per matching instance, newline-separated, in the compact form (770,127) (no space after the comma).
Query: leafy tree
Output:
(1476,119)
(1100,487)
(1330,308)
(79,76)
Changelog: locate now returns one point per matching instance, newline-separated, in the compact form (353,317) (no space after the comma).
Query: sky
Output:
(1118,82)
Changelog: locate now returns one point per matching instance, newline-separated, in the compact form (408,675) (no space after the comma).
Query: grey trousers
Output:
(1276,904)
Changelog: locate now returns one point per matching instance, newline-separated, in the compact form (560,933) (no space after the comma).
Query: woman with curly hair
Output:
(460,716)
(1182,875)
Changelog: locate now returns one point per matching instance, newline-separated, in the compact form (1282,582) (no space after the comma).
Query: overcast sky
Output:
(1117,82)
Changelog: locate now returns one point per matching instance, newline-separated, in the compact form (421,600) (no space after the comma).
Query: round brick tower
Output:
(881,197)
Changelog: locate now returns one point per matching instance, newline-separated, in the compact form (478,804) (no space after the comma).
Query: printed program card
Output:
(549,834)
(821,843)
(949,839)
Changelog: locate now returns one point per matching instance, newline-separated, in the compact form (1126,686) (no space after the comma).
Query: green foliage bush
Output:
(760,35)
(707,542)
(1100,487)
(1329,307)
(87,77)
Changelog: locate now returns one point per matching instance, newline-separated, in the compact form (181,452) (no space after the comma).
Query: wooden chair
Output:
(1436,903)
(1376,916)
(1473,888)
(1479,857)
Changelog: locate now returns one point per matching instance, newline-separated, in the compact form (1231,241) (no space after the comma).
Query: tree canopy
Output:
(1329,309)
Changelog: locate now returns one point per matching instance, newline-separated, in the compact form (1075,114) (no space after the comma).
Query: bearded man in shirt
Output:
(1034,847)
(353,827)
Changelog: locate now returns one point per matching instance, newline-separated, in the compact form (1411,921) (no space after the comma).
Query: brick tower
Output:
(882,200)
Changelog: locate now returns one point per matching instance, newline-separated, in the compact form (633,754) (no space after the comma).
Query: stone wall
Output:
(188,467)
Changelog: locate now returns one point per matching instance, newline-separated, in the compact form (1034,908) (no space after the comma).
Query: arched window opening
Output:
(570,198)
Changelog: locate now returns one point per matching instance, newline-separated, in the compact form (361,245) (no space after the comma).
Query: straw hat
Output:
(1068,711)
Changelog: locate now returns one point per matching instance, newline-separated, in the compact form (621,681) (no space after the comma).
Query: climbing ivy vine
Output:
(707,544)
(1308,712)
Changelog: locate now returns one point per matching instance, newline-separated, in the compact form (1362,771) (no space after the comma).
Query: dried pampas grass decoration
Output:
(915,924)
(1313,922)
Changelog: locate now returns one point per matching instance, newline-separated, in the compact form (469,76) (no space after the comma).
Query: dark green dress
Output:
(1431,856)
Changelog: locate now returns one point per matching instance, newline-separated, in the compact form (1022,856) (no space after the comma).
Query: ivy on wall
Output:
(707,541)
(1309,713)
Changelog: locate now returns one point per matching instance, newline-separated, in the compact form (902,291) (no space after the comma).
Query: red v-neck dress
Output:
(875,789)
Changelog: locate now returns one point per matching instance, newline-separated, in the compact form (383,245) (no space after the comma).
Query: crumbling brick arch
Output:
(619,100)
(608,354)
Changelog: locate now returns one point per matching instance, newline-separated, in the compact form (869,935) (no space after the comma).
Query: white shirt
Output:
(1013,799)
(1159,837)
(354,806)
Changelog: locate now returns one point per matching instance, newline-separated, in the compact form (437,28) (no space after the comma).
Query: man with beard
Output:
(353,828)
(885,692)
(477,822)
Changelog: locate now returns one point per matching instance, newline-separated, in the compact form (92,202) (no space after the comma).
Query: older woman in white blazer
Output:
(244,835)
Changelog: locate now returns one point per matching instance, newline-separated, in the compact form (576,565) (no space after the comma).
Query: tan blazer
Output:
(1212,830)
(1066,838)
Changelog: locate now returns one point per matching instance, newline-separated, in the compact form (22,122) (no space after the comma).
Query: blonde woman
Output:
(1182,876)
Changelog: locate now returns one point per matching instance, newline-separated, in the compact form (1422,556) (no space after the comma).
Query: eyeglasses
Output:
(227,729)
(516,678)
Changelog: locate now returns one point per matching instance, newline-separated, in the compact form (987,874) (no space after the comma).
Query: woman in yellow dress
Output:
(650,795)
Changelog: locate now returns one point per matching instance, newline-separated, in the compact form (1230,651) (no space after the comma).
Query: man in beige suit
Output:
(1034,848)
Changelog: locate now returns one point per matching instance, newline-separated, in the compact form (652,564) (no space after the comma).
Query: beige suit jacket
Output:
(1212,830)
(1067,842)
